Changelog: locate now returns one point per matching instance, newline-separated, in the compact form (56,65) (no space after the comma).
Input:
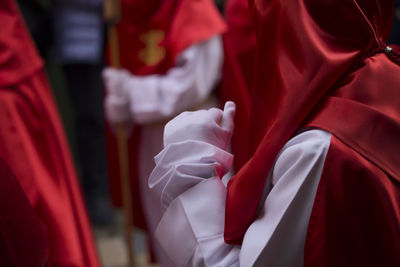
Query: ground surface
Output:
(112,251)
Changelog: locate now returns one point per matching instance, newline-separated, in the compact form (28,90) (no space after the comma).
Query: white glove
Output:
(116,103)
(212,126)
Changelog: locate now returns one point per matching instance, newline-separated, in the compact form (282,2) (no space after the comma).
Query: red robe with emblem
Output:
(35,147)
(324,64)
(151,36)
(19,245)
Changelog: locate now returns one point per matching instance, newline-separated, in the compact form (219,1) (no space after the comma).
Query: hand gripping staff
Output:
(112,14)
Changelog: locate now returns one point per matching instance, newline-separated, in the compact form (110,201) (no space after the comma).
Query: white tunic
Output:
(191,229)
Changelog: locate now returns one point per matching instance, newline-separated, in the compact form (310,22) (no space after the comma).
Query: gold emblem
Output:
(153,53)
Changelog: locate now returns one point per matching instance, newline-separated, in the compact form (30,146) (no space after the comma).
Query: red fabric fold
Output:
(33,142)
(23,237)
(35,146)
(238,71)
(356,213)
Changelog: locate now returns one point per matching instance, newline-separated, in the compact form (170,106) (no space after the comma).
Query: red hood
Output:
(304,47)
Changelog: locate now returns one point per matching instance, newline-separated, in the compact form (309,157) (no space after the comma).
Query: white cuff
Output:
(192,229)
(182,165)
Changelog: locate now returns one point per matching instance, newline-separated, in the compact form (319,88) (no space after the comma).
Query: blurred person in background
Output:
(79,41)
(37,16)
(394,37)
(35,147)
(171,54)
(322,185)
(238,72)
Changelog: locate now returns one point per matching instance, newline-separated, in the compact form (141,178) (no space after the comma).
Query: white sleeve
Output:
(192,228)
(159,97)
(277,237)
(194,219)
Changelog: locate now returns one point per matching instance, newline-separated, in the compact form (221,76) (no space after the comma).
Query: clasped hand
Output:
(212,126)
(116,103)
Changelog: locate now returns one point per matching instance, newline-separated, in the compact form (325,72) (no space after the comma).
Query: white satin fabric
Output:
(191,229)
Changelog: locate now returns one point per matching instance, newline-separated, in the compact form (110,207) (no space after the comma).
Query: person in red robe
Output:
(171,55)
(322,185)
(35,147)
(238,72)
(20,245)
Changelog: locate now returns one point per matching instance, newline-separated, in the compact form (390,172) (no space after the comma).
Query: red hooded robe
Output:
(33,142)
(321,63)
(151,35)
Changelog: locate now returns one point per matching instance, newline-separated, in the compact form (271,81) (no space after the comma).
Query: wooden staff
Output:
(112,14)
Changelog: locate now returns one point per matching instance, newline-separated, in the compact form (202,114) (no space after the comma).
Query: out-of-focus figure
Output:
(394,37)
(38,20)
(33,143)
(79,41)
(238,72)
(171,52)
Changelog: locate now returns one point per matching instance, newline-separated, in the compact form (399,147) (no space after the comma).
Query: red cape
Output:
(150,38)
(34,144)
(355,219)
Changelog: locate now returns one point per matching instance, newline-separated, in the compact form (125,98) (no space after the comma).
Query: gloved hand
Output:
(116,103)
(212,126)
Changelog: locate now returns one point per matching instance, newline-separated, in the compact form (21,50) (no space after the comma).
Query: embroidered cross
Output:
(153,53)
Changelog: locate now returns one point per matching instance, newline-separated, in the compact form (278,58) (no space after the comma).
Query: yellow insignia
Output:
(153,53)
